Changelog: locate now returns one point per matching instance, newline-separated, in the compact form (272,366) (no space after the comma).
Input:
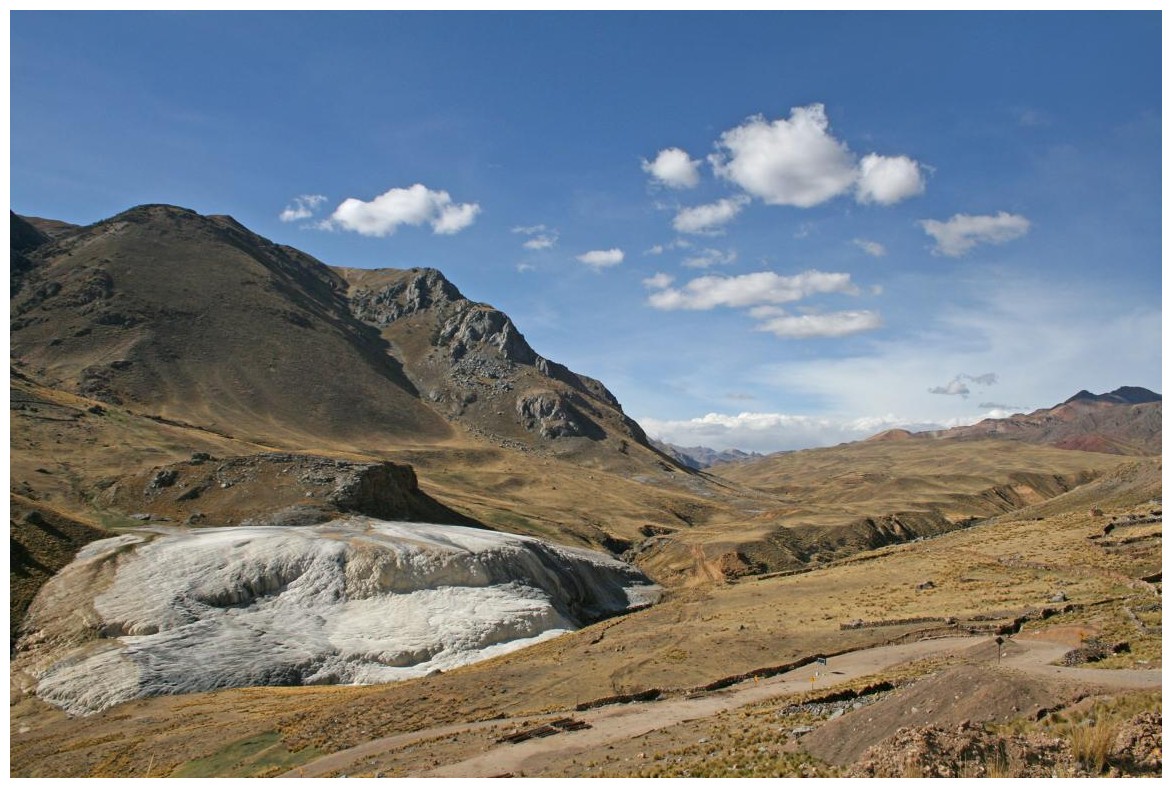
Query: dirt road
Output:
(610,724)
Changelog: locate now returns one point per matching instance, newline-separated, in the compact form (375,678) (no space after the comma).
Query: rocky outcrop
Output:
(276,489)
(554,416)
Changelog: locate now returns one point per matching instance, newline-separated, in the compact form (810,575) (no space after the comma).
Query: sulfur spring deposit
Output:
(355,600)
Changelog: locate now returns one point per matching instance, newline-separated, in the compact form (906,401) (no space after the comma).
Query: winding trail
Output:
(620,722)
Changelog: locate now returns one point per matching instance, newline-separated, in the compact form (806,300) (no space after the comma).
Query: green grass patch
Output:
(263,755)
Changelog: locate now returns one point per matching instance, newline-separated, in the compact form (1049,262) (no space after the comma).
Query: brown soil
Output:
(965,694)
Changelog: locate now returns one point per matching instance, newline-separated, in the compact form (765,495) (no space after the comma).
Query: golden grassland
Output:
(1002,569)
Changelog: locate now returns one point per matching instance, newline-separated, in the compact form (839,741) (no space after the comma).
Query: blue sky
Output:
(766,230)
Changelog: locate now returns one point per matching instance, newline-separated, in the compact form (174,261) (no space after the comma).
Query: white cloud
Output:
(888,179)
(796,161)
(962,232)
(542,237)
(541,242)
(706,258)
(599,259)
(873,248)
(768,432)
(454,218)
(786,162)
(659,281)
(674,168)
(415,205)
(708,219)
(678,243)
(761,287)
(302,207)
(824,324)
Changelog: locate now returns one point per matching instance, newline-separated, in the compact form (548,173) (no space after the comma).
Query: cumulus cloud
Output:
(887,180)
(706,258)
(541,237)
(659,281)
(962,232)
(415,205)
(708,219)
(746,290)
(599,259)
(797,161)
(302,207)
(824,324)
(791,161)
(873,248)
(674,168)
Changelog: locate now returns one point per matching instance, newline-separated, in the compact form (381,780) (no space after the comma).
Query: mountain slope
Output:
(196,319)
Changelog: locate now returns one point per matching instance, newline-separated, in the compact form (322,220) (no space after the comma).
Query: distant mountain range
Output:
(701,457)
(1125,421)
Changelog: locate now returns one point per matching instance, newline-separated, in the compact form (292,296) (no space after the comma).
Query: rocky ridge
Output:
(472,362)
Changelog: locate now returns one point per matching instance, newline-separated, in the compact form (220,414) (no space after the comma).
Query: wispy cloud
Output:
(816,324)
(707,258)
(761,287)
(673,168)
(302,207)
(1121,346)
(708,219)
(415,205)
(1002,407)
(541,237)
(678,243)
(958,388)
(601,258)
(962,232)
(658,281)
(873,248)
(797,161)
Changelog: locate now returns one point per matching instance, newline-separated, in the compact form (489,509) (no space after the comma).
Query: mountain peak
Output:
(1124,395)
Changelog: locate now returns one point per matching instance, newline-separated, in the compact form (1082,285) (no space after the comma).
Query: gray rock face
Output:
(554,416)
(385,305)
